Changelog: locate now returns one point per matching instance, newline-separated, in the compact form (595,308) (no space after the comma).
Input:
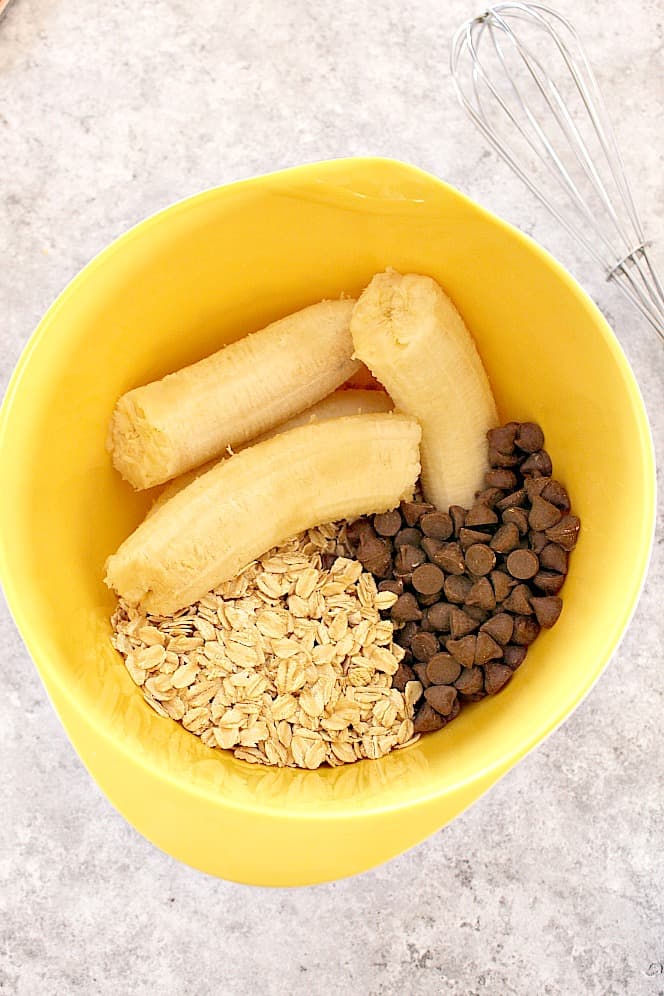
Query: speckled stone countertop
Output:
(553,883)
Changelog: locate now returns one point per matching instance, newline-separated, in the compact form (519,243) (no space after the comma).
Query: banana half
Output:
(321,472)
(415,342)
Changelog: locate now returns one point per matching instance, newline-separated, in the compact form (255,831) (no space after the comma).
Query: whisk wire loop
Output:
(524,78)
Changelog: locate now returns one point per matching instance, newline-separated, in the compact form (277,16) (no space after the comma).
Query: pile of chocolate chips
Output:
(475,585)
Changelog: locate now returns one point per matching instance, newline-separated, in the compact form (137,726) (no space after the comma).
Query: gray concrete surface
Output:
(554,882)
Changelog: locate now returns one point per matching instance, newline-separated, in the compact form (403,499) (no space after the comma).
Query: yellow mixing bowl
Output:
(172,290)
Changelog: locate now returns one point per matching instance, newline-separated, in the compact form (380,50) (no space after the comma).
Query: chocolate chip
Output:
(402,676)
(458,517)
(480,515)
(427,600)
(498,459)
(438,616)
(482,595)
(514,656)
(519,600)
(522,564)
(557,495)
(505,538)
(538,464)
(470,681)
(547,610)
(405,635)
(395,586)
(502,584)
(388,523)
(525,630)
(408,558)
(480,559)
(375,555)
(549,582)
(514,500)
(554,558)
(463,650)
(442,669)
(431,547)
(543,514)
(501,477)
(518,516)
(489,496)
(476,613)
(438,525)
(537,542)
(496,677)
(407,537)
(469,536)
(428,579)
(327,560)
(424,646)
(406,609)
(499,627)
(535,486)
(420,669)
(565,533)
(358,530)
(503,438)
(457,588)
(486,649)
(450,558)
(461,623)
(441,698)
(412,511)
(529,437)
(456,709)
(427,720)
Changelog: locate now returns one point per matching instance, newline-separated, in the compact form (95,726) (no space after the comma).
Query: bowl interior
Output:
(215,267)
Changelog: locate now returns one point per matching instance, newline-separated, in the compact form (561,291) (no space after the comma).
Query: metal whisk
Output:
(523,77)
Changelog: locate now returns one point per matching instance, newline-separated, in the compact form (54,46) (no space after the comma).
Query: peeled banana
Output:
(414,341)
(336,405)
(169,426)
(219,523)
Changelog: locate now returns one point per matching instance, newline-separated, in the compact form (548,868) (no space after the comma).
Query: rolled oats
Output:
(287,664)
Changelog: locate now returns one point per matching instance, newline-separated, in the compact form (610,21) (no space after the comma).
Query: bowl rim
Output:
(505,759)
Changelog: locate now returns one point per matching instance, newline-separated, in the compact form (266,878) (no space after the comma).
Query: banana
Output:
(167,427)
(245,505)
(336,405)
(414,341)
